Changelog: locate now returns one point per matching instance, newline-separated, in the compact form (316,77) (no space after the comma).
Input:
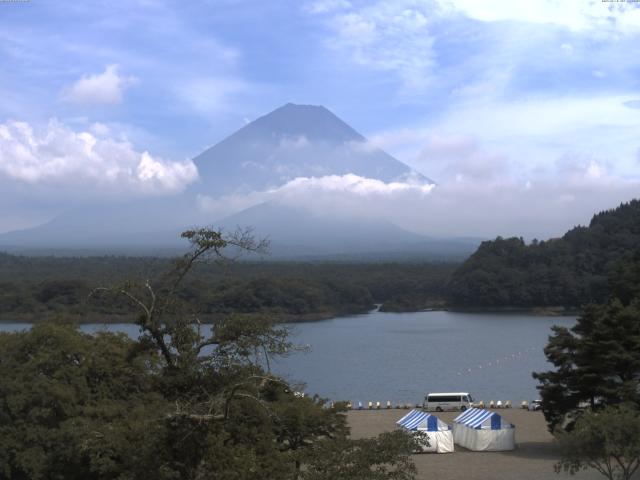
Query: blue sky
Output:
(539,98)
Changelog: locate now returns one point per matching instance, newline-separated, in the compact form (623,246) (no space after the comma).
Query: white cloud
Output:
(99,129)
(209,95)
(350,183)
(305,189)
(480,192)
(541,207)
(327,6)
(103,88)
(534,131)
(61,158)
(217,208)
(576,15)
(481,47)
(567,48)
(448,157)
(443,156)
(387,36)
(632,104)
(294,142)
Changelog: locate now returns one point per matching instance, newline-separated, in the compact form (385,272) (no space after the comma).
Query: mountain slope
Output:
(132,226)
(296,232)
(583,266)
(293,141)
(296,227)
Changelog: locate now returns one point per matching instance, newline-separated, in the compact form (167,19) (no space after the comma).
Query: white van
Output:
(440,402)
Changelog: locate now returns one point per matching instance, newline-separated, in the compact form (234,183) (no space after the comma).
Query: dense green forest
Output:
(37,288)
(581,267)
(178,402)
(591,394)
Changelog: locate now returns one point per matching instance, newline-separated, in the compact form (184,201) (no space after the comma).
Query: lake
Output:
(401,356)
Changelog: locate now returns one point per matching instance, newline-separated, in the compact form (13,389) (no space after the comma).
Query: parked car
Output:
(535,405)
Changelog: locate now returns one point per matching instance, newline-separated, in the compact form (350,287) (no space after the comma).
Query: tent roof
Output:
(417,419)
(479,418)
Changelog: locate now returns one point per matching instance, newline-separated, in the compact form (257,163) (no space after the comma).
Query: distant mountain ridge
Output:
(294,227)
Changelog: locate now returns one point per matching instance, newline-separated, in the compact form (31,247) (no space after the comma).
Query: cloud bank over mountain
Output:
(466,206)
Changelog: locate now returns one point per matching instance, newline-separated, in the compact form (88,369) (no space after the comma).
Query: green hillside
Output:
(585,265)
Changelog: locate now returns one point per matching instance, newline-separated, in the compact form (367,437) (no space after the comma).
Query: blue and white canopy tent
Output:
(437,433)
(481,430)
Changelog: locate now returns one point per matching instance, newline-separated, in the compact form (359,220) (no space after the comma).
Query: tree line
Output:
(581,267)
(36,288)
(591,398)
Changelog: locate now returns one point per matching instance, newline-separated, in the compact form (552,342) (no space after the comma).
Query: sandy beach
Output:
(534,457)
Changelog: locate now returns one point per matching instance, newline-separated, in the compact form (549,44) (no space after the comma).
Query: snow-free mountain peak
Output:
(294,141)
(314,122)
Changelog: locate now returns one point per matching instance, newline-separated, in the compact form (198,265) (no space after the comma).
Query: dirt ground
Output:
(533,459)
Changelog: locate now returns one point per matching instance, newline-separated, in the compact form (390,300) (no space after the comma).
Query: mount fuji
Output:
(291,142)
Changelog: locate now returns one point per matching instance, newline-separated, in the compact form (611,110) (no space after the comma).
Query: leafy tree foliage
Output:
(183,401)
(74,405)
(581,267)
(596,362)
(607,441)
(387,457)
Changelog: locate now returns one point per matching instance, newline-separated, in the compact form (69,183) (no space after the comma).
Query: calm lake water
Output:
(401,356)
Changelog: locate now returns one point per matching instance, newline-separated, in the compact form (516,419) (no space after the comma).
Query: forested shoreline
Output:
(553,277)
(584,266)
(33,289)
